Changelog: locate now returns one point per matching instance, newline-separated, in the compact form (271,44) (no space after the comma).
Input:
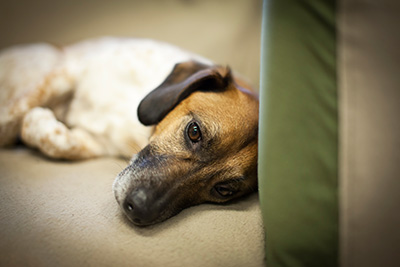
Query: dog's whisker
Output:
(119,165)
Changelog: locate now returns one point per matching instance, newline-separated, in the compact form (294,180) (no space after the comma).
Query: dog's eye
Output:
(193,132)
(224,190)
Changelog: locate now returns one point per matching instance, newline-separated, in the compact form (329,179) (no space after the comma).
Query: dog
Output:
(194,138)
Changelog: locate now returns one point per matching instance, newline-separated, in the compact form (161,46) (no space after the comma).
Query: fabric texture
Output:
(298,146)
(56,213)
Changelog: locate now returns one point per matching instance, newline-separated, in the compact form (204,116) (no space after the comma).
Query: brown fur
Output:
(179,173)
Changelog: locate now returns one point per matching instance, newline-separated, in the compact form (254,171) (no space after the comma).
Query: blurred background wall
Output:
(226,31)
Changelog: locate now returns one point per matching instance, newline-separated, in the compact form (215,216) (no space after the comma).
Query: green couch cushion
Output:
(298,146)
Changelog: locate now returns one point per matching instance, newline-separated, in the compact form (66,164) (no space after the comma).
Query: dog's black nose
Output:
(140,206)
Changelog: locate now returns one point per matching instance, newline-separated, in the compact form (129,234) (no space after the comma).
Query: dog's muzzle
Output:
(138,191)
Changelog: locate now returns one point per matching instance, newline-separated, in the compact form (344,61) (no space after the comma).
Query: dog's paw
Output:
(40,129)
(30,76)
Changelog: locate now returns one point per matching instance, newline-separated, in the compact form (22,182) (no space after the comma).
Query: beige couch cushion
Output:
(56,213)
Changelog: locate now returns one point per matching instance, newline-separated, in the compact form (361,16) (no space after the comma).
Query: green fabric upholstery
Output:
(298,146)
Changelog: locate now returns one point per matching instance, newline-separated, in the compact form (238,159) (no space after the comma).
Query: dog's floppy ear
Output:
(184,79)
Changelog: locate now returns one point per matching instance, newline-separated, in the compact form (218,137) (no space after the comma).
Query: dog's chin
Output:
(163,217)
(141,224)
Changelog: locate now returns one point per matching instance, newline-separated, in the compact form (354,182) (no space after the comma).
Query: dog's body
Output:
(82,101)
(90,90)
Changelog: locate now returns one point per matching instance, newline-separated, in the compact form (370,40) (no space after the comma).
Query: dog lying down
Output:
(193,137)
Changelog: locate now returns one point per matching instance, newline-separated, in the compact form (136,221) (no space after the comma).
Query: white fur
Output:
(106,77)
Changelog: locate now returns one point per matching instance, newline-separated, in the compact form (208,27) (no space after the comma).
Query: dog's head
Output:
(204,146)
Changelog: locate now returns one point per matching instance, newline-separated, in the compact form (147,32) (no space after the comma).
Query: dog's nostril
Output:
(129,206)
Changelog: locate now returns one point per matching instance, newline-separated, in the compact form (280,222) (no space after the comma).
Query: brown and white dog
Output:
(80,102)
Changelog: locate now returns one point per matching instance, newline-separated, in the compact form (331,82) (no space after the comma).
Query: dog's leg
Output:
(30,76)
(41,129)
